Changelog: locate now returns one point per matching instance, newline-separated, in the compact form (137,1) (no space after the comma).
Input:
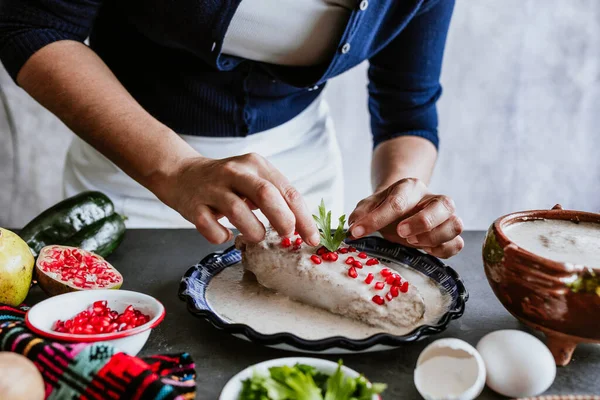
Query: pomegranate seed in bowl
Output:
(99,318)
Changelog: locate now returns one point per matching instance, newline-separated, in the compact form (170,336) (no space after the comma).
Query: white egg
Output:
(449,369)
(518,364)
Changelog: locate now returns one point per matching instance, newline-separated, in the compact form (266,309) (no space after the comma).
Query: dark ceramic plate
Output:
(192,290)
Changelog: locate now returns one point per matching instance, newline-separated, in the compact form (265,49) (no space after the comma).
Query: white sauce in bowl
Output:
(558,240)
(238,298)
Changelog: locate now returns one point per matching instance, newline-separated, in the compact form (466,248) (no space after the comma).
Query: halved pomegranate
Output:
(63,269)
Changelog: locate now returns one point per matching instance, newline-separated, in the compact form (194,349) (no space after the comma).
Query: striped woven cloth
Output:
(97,370)
(563,397)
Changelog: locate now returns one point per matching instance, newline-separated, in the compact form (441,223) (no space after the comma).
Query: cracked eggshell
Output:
(450,369)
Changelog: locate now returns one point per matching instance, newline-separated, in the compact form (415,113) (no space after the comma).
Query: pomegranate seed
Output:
(333,257)
(79,281)
(357,264)
(378,300)
(379,285)
(351,249)
(343,250)
(91,321)
(369,278)
(372,261)
(352,273)
(390,279)
(296,247)
(298,241)
(349,260)
(325,256)
(398,281)
(395,291)
(315,259)
(322,250)
(404,287)
(389,296)
(362,254)
(295,233)
(286,242)
(385,272)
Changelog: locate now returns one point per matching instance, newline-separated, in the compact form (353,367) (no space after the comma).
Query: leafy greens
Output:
(303,382)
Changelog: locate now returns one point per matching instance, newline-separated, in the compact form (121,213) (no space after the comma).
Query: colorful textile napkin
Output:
(97,370)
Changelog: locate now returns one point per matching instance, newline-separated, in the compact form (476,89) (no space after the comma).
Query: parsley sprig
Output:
(331,241)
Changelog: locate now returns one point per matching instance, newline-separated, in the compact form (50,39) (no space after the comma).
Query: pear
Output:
(16,268)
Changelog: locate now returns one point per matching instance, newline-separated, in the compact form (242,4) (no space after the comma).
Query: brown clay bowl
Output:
(561,300)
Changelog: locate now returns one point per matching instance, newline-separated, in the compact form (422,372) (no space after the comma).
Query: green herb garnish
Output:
(303,382)
(331,242)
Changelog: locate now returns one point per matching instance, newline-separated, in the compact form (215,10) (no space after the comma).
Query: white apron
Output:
(304,149)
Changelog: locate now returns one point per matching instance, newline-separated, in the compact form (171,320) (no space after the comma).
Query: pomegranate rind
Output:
(52,284)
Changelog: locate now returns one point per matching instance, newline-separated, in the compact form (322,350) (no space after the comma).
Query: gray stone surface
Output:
(153,261)
(518,119)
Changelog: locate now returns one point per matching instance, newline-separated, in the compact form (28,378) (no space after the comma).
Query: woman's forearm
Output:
(402,157)
(71,81)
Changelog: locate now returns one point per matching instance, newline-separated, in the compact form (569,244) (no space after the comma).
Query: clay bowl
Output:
(544,294)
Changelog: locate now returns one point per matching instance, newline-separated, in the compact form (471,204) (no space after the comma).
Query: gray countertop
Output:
(153,261)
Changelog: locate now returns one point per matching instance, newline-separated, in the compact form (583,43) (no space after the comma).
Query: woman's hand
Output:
(407,212)
(203,190)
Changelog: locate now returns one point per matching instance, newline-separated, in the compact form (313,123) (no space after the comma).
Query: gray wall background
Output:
(519,117)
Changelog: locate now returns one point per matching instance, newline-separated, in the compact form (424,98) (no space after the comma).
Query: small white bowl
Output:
(232,389)
(42,317)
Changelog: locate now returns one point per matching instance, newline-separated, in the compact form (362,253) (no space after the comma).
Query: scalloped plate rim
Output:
(332,342)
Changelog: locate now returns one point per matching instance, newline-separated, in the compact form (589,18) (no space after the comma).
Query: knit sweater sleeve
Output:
(28,25)
(404,77)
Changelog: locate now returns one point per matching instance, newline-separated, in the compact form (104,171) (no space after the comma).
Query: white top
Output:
(287,32)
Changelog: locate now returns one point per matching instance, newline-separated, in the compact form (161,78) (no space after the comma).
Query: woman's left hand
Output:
(408,213)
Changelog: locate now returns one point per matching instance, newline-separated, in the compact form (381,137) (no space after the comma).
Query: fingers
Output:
(436,212)
(242,217)
(399,200)
(206,223)
(365,206)
(302,218)
(269,200)
(445,232)
(305,225)
(446,250)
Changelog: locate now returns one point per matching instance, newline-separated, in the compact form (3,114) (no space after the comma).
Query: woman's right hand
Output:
(203,190)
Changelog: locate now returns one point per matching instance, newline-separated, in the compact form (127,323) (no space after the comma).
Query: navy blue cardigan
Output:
(167,53)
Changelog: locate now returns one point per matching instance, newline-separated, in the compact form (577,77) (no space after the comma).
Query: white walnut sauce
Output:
(239,298)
